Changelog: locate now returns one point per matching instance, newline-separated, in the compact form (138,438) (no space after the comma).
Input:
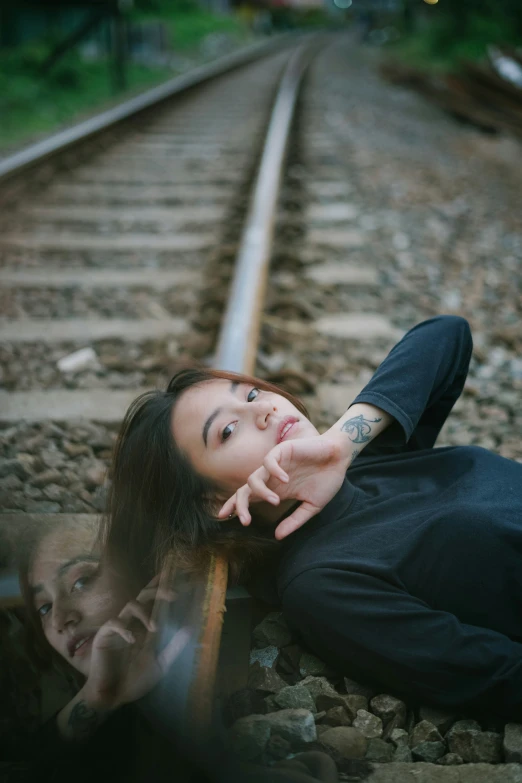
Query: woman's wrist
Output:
(80,718)
(356,428)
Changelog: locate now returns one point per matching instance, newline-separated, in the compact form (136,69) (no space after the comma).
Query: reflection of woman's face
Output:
(73,594)
(227,429)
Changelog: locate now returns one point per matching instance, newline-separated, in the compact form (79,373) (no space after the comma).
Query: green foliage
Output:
(32,104)
(454,33)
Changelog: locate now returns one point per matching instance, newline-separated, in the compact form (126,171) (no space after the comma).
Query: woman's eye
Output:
(42,610)
(253,391)
(227,432)
(82,582)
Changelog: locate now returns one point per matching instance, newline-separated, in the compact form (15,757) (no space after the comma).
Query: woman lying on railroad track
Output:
(399,563)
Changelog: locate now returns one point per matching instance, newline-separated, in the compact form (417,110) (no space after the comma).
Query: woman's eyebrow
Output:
(65,567)
(208,423)
(79,559)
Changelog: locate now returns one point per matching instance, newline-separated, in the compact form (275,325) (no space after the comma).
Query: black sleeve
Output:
(369,629)
(418,383)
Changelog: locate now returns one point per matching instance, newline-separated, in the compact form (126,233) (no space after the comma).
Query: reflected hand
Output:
(124,663)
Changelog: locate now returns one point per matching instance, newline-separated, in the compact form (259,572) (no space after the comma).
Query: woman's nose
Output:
(263,412)
(64,616)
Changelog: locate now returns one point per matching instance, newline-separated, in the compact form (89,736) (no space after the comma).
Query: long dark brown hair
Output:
(158,503)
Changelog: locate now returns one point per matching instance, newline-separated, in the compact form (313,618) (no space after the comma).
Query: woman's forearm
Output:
(358,427)
(80,718)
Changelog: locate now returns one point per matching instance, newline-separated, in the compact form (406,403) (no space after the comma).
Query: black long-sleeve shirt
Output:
(411,576)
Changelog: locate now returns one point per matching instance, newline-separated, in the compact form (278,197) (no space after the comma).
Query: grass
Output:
(32,106)
(436,48)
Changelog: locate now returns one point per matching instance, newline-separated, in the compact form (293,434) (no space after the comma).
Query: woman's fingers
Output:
(136,610)
(118,627)
(257,483)
(242,501)
(149,594)
(272,465)
(228,508)
(302,514)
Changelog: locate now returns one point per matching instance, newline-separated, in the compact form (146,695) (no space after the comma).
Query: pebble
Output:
(428,751)
(345,742)
(424,732)
(369,725)
(513,743)
(379,751)
(272,631)
(295,697)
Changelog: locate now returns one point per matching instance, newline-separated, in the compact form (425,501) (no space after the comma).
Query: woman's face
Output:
(73,594)
(226,429)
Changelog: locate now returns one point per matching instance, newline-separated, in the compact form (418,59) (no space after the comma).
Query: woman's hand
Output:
(310,470)
(124,662)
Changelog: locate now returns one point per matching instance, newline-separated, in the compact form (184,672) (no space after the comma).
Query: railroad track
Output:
(333,308)
(119,267)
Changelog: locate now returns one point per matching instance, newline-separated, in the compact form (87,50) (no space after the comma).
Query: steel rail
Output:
(42,151)
(186,702)
(192,710)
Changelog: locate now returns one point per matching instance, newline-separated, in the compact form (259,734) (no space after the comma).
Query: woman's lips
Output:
(286,426)
(84,645)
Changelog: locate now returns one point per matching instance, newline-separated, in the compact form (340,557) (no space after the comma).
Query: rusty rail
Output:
(237,346)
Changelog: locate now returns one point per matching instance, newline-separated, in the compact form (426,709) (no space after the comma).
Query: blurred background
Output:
(62,60)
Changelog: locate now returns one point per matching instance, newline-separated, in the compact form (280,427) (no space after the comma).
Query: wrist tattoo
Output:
(83,720)
(360,428)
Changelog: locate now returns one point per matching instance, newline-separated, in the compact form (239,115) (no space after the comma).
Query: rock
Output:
(79,360)
(295,697)
(289,658)
(369,725)
(337,716)
(354,703)
(379,751)
(51,458)
(243,703)
(312,666)
(10,483)
(264,679)
(54,492)
(52,476)
(355,688)
(293,725)
(272,631)
(402,753)
(42,507)
(15,467)
(513,742)
(388,708)
(474,745)
(76,449)
(428,751)
(266,656)
(345,742)
(249,737)
(450,759)
(424,732)
(324,695)
(439,718)
(94,474)
(278,748)
(269,705)
(399,737)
